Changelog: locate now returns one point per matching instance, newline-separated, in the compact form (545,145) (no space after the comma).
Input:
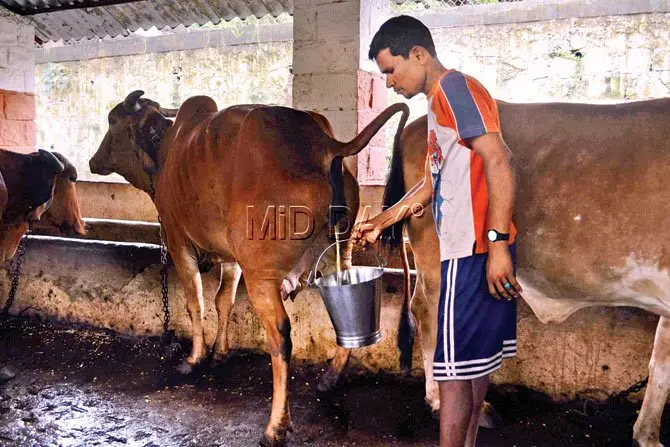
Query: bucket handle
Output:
(311,282)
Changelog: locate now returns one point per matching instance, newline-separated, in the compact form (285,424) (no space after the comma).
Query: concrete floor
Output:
(85,387)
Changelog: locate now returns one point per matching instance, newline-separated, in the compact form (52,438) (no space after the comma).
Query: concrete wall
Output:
(121,201)
(17,55)
(615,58)
(17,82)
(17,121)
(334,77)
(78,85)
(113,286)
(556,50)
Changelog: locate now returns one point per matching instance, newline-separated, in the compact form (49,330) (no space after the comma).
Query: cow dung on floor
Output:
(80,386)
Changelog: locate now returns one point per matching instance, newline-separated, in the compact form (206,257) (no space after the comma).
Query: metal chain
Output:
(167,334)
(164,285)
(15,273)
(634,388)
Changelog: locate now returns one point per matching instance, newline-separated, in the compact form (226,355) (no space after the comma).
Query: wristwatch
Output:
(495,236)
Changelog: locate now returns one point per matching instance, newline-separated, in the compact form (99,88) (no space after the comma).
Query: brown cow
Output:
(593,217)
(217,175)
(49,198)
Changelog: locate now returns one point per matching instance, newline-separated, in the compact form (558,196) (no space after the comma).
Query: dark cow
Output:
(38,188)
(215,176)
(593,213)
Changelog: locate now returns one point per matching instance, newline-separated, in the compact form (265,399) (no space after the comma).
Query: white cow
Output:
(593,213)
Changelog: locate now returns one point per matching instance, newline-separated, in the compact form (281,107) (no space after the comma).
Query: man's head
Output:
(404,51)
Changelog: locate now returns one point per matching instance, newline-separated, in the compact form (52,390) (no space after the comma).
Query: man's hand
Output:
(500,273)
(365,233)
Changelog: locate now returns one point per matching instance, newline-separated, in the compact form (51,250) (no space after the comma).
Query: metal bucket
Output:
(354,303)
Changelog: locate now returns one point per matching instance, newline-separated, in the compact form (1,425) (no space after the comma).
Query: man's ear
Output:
(418,53)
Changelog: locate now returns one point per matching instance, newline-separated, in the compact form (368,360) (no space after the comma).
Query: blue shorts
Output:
(475,331)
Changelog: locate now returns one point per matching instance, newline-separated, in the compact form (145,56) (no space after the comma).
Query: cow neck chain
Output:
(167,334)
(15,274)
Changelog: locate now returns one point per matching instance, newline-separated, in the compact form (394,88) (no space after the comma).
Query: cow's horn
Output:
(168,113)
(130,103)
(51,159)
(69,167)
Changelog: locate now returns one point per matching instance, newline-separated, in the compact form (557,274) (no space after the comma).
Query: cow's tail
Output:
(396,184)
(353,147)
(407,324)
(393,192)
(338,208)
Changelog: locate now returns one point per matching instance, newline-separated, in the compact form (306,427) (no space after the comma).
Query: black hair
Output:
(400,34)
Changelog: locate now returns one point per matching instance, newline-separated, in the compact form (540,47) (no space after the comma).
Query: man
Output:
(470,182)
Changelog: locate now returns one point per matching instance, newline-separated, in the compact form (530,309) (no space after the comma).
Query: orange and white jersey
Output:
(460,108)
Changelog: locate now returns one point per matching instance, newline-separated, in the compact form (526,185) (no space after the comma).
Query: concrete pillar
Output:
(332,74)
(17,84)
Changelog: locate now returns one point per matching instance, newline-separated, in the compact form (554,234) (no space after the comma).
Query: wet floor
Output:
(81,387)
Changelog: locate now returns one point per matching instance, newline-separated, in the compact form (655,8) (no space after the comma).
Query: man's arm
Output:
(500,179)
(422,194)
(501,185)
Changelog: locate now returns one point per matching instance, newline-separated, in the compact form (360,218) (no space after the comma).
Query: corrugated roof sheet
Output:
(122,18)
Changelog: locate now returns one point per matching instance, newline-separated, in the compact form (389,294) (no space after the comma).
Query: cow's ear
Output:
(51,160)
(70,171)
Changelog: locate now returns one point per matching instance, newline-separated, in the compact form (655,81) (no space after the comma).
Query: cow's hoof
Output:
(184,368)
(279,439)
(489,417)
(330,381)
(636,443)
(218,360)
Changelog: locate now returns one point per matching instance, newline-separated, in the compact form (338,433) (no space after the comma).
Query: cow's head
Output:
(130,146)
(64,212)
(30,182)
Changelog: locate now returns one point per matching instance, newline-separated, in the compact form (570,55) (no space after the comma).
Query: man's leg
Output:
(479,387)
(456,409)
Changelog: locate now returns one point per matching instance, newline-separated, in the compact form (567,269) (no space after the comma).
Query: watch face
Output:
(492,235)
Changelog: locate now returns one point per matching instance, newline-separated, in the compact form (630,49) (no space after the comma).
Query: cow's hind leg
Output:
(186,266)
(225,299)
(335,373)
(266,300)
(424,307)
(647,426)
